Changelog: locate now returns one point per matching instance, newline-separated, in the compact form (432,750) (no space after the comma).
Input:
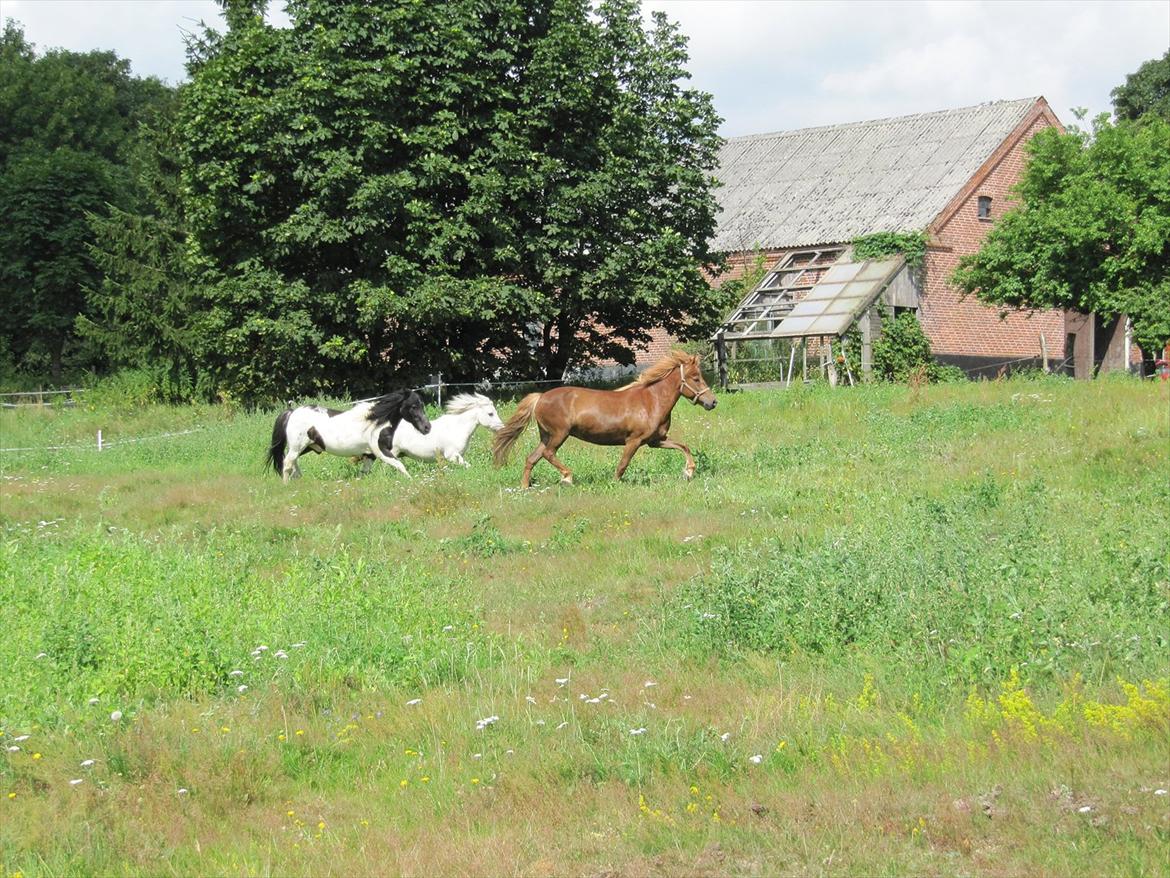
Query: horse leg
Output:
(291,469)
(550,454)
(367,463)
(394,462)
(530,462)
(631,448)
(689,468)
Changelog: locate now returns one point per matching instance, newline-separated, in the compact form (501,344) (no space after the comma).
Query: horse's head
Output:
(487,416)
(413,413)
(401,405)
(693,387)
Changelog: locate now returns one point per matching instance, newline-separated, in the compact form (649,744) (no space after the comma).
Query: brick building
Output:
(801,197)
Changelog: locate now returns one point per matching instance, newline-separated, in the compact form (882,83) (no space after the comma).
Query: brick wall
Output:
(964,329)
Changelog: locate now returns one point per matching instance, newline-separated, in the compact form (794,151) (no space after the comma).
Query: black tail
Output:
(279,440)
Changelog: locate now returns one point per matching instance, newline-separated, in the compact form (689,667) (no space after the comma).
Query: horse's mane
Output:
(466,402)
(387,408)
(659,370)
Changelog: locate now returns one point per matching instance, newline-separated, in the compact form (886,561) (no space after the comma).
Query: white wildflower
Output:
(756,760)
(1084,809)
(87,763)
(94,700)
(482,724)
(648,684)
(75,781)
(115,716)
(236,673)
(20,738)
(242,688)
(562,725)
(561,681)
(1160,792)
(530,699)
(182,791)
(640,731)
(41,655)
(413,702)
(725,736)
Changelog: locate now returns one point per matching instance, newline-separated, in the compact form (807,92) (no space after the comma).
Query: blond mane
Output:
(660,369)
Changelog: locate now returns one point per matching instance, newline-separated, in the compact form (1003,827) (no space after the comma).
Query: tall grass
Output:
(883,630)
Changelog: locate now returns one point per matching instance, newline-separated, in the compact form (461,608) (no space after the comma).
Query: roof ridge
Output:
(843,125)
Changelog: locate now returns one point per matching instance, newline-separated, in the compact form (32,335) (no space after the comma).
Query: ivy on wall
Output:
(912,246)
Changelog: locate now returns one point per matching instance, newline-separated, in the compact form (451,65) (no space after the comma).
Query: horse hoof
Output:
(567,480)
(688,474)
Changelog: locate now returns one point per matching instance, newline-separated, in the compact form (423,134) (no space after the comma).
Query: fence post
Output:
(721,359)
(99,438)
(1044,352)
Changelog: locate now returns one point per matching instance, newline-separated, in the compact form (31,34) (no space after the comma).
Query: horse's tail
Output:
(279,441)
(507,436)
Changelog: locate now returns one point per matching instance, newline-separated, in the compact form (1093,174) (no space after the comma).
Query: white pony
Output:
(449,435)
(364,431)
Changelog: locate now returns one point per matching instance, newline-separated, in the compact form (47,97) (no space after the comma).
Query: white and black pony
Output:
(366,430)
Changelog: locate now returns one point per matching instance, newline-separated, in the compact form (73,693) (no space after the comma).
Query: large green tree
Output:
(1146,90)
(479,186)
(69,125)
(1091,232)
(144,311)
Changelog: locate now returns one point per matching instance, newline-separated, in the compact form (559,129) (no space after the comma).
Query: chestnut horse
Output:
(635,415)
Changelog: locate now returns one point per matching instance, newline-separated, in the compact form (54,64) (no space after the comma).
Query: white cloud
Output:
(772,65)
(782,65)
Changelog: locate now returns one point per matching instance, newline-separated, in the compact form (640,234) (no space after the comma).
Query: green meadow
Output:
(885,630)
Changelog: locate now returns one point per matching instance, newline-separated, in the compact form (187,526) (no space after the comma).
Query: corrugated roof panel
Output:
(816,185)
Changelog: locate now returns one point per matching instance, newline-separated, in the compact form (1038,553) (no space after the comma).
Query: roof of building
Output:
(838,182)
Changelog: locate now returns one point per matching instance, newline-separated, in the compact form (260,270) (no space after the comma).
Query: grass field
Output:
(884,631)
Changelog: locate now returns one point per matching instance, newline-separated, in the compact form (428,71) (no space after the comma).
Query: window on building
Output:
(984,207)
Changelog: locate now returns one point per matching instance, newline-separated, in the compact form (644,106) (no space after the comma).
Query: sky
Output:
(772,65)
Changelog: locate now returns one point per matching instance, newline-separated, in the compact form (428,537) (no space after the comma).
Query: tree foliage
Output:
(69,128)
(1147,90)
(1091,232)
(479,186)
(144,311)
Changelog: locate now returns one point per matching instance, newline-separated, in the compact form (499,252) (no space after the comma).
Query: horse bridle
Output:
(682,377)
